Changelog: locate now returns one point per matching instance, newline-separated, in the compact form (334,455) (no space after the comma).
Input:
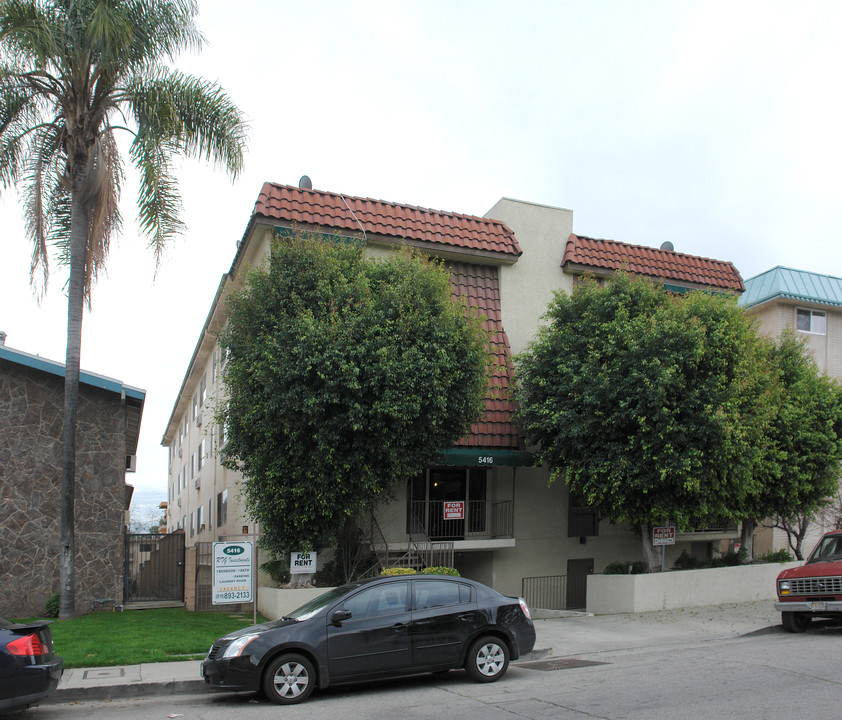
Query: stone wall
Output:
(31,418)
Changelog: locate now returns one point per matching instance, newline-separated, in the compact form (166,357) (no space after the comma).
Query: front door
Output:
(447,487)
(577,582)
(376,636)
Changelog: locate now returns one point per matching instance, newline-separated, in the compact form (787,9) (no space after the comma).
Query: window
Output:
(811,321)
(440,593)
(192,524)
(210,514)
(203,391)
(221,443)
(195,406)
(388,599)
(201,454)
(200,518)
(193,466)
(222,508)
(582,519)
(213,368)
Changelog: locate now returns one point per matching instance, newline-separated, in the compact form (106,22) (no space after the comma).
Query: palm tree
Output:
(73,73)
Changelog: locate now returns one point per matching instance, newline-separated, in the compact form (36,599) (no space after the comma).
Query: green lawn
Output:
(141,636)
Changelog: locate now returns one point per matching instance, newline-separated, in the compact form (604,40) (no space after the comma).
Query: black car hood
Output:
(262,627)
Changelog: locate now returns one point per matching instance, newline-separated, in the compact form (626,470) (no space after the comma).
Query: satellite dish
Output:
(667,245)
(305,183)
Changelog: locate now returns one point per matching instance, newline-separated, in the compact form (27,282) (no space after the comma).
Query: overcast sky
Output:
(715,125)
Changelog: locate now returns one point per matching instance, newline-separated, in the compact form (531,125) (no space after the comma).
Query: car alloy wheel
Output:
(289,679)
(488,659)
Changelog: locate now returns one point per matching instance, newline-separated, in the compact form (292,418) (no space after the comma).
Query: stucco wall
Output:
(31,418)
(274,603)
(609,594)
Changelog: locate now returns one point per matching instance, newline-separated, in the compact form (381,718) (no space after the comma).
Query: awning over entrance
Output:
(484,457)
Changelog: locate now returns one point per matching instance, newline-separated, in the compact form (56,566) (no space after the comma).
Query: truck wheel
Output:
(795,622)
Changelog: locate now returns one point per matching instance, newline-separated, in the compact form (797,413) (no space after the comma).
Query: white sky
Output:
(716,125)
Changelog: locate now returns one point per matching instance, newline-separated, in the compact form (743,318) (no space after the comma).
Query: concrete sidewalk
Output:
(572,635)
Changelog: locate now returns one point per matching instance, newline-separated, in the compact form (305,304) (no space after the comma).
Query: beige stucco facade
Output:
(777,311)
(520,528)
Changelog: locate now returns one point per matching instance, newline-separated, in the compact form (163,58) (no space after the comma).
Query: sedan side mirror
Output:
(339,616)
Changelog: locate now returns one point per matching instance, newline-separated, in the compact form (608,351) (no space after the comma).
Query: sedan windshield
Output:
(830,548)
(322,601)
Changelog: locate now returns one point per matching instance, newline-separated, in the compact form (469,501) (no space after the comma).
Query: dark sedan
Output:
(371,629)
(29,669)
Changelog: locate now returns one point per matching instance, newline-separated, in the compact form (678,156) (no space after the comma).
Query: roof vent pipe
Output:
(2,338)
(305,183)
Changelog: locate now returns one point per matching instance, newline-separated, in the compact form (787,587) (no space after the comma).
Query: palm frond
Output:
(30,33)
(194,113)
(159,202)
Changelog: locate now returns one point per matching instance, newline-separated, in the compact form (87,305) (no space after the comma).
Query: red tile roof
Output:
(478,285)
(333,210)
(653,262)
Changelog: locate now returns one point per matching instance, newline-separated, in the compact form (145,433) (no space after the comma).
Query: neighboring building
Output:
(31,420)
(508,264)
(811,304)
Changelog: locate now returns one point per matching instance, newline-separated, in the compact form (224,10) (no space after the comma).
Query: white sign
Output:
(232,572)
(454,510)
(302,562)
(663,536)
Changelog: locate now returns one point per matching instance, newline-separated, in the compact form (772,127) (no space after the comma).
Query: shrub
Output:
(441,570)
(278,570)
(778,556)
(688,562)
(638,567)
(729,559)
(51,607)
(397,571)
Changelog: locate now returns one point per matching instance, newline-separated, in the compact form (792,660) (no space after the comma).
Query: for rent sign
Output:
(454,510)
(302,562)
(232,572)
(663,536)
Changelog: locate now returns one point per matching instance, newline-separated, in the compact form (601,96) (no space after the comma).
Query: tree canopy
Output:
(651,406)
(72,74)
(799,470)
(345,376)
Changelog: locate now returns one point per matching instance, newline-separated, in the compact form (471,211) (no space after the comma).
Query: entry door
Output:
(446,486)
(577,582)
(376,636)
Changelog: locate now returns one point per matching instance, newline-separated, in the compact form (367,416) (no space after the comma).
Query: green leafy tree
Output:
(798,471)
(346,375)
(73,73)
(645,403)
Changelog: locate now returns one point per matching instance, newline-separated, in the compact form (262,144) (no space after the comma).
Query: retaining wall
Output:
(609,594)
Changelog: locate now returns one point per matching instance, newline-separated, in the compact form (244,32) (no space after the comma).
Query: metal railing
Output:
(481,519)
(548,592)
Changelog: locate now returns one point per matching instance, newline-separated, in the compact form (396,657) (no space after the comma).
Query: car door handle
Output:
(397,627)
(466,616)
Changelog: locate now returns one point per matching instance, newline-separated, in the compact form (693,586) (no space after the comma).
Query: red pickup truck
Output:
(813,590)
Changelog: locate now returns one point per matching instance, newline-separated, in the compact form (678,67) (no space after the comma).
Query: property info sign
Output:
(232,572)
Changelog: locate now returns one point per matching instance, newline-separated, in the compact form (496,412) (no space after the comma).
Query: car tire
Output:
(289,679)
(795,622)
(488,659)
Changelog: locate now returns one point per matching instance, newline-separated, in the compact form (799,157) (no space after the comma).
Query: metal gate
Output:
(154,568)
(204,583)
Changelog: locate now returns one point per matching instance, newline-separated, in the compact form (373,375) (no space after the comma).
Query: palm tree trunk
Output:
(75,309)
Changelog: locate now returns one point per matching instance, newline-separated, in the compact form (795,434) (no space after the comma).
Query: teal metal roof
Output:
(56,368)
(783,282)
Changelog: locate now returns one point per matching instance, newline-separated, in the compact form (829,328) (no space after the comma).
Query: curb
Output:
(123,692)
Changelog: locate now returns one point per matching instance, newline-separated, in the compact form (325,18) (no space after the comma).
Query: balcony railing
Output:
(481,519)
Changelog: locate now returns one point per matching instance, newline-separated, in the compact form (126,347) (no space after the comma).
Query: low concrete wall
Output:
(274,603)
(609,594)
